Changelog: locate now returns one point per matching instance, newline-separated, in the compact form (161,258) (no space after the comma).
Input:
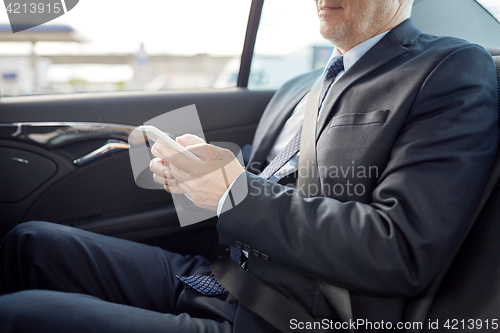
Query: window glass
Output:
(493,6)
(114,46)
(288,43)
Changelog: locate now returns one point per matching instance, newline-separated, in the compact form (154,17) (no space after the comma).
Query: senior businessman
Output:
(404,128)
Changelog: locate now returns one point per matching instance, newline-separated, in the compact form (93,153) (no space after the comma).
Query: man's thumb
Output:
(189,140)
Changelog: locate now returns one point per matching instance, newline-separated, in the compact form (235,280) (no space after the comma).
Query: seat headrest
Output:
(494,51)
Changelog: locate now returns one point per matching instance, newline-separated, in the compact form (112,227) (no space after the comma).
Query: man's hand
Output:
(204,181)
(161,168)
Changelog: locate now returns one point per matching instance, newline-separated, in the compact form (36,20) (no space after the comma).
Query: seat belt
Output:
(309,186)
(262,300)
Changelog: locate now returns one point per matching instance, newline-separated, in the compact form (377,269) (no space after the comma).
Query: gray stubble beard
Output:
(339,34)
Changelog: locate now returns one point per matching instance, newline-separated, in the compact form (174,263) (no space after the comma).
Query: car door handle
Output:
(58,134)
(108,148)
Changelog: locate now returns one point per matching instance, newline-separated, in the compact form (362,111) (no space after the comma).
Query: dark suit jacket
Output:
(404,150)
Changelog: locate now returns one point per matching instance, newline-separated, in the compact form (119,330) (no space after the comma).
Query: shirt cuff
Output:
(224,196)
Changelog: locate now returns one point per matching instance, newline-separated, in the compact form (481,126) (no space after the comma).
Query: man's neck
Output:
(399,17)
(345,47)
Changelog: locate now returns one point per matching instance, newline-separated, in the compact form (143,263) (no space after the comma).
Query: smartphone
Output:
(154,134)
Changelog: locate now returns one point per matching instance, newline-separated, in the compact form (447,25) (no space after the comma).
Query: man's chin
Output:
(333,36)
(332,32)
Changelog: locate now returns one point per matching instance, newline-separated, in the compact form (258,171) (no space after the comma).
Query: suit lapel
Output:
(390,47)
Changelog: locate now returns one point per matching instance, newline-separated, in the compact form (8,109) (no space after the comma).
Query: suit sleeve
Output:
(421,207)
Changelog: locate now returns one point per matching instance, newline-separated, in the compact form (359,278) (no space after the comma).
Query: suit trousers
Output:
(55,278)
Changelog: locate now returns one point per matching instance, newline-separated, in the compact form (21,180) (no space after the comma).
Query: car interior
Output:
(64,158)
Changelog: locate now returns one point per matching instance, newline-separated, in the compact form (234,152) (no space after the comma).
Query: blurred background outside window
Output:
(289,43)
(114,45)
(169,45)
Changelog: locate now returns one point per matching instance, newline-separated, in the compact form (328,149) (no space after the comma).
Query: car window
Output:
(493,6)
(115,46)
(289,44)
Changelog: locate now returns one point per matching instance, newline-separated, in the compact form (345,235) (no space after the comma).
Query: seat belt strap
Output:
(308,184)
(262,300)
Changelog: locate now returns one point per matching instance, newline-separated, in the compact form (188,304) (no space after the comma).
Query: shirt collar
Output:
(354,54)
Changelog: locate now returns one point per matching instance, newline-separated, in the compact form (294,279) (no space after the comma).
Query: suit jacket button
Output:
(265,256)
(256,252)
(247,248)
(238,245)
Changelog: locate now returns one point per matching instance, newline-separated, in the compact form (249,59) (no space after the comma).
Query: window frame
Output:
(249,44)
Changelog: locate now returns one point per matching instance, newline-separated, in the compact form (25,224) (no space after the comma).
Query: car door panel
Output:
(100,194)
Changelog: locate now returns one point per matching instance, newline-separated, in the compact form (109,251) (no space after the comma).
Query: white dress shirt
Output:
(294,123)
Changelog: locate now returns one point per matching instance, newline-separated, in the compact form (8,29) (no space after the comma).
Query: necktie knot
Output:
(334,68)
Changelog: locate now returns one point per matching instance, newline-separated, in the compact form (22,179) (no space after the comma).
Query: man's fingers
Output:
(185,169)
(219,156)
(170,185)
(180,160)
(156,153)
(180,175)
(156,166)
(189,139)
(165,181)
(160,167)
(174,189)
(159,180)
